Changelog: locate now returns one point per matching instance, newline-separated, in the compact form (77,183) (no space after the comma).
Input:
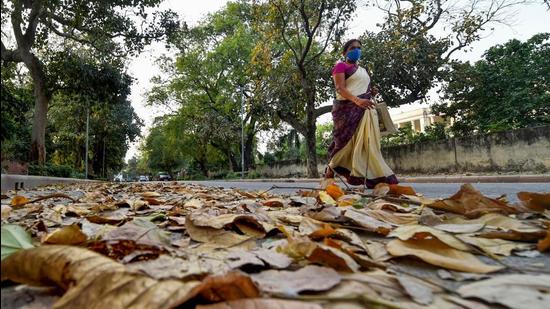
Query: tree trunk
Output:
(249,151)
(311,148)
(42,99)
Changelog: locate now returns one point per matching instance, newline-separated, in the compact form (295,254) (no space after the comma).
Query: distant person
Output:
(355,150)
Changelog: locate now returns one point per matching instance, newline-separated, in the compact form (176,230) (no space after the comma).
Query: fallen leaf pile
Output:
(165,245)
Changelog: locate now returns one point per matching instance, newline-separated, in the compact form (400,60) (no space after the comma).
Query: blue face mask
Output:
(354,55)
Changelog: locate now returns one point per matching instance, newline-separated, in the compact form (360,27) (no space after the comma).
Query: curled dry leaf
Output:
(67,235)
(273,258)
(438,253)
(402,190)
(420,292)
(394,218)
(422,232)
(333,258)
(472,204)
(150,194)
(141,231)
(94,281)
(310,278)
(221,238)
(163,267)
(535,201)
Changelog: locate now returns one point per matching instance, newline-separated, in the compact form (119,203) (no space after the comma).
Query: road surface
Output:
(432,190)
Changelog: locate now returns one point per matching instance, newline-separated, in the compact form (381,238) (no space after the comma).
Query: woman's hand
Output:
(364,103)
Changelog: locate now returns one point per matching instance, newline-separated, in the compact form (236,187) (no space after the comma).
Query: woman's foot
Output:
(329,173)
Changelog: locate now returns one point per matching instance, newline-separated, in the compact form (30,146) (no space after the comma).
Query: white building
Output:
(418,118)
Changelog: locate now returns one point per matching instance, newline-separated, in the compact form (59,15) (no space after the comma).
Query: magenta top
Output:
(344,67)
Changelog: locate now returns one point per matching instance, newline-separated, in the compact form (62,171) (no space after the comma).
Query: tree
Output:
(407,59)
(508,89)
(211,76)
(297,52)
(110,28)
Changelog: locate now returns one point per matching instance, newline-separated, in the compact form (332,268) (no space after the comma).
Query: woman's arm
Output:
(340,83)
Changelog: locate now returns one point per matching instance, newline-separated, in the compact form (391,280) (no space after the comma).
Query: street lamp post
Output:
(242,132)
(87,138)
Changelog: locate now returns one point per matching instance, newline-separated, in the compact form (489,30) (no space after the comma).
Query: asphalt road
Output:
(432,190)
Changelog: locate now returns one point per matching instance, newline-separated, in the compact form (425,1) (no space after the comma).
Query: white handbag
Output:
(384,119)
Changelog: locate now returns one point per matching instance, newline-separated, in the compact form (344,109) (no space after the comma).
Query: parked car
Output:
(143,178)
(163,176)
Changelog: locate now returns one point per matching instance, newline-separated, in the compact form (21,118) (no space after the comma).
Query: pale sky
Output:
(527,20)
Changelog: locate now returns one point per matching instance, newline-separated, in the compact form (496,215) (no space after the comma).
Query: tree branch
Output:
(322,110)
(34,17)
(10,55)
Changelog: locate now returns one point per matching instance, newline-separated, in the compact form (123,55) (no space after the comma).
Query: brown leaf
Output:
(407,232)
(535,201)
(95,281)
(472,204)
(239,258)
(381,189)
(364,220)
(310,278)
(515,235)
(544,244)
(493,246)
(262,303)
(141,231)
(221,238)
(401,190)
(109,219)
(150,194)
(68,235)
(394,218)
(334,191)
(274,202)
(438,253)
(333,258)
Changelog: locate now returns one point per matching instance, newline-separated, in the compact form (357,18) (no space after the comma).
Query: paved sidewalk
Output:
(16,182)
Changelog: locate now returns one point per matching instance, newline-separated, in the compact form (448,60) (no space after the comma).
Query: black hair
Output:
(348,44)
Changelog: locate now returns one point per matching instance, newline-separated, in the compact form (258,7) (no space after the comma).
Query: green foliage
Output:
(406,135)
(508,89)
(53,170)
(14,238)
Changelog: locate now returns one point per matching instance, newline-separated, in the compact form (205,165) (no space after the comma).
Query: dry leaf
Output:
(394,218)
(273,258)
(334,191)
(274,202)
(310,278)
(221,238)
(141,231)
(515,235)
(262,303)
(472,204)
(496,221)
(239,258)
(401,190)
(333,258)
(420,232)
(150,194)
(438,253)
(493,246)
(325,198)
(514,291)
(544,244)
(68,235)
(163,267)
(364,220)
(6,211)
(18,201)
(420,292)
(535,201)
(460,228)
(381,189)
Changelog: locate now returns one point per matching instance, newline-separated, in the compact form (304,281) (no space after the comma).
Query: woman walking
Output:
(355,149)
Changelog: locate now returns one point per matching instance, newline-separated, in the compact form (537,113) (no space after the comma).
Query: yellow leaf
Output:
(68,235)
(326,198)
(19,200)
(544,244)
(438,253)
